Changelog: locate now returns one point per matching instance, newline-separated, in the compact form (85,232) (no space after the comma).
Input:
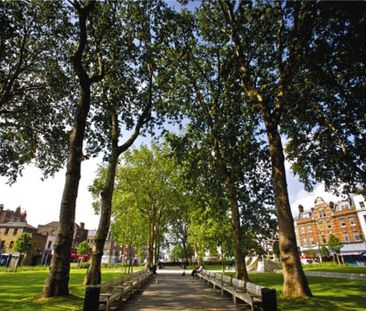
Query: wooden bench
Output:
(215,280)
(226,285)
(258,297)
(204,275)
(248,292)
(122,288)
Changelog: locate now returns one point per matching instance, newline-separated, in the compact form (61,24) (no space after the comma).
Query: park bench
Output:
(258,297)
(226,285)
(117,290)
(215,280)
(204,275)
(210,277)
(248,292)
(123,288)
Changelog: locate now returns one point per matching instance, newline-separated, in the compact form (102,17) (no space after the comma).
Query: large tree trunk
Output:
(295,282)
(241,270)
(93,275)
(58,278)
(228,175)
(150,251)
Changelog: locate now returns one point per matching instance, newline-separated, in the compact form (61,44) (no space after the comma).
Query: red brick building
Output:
(313,227)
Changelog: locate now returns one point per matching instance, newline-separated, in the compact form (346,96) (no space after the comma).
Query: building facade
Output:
(9,233)
(112,251)
(341,219)
(80,233)
(7,215)
(360,204)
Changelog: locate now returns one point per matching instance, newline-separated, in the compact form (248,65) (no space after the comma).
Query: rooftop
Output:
(17,224)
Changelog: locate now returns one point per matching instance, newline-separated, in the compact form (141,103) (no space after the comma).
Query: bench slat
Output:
(248,292)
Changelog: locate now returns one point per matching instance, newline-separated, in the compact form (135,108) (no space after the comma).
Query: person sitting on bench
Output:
(196,270)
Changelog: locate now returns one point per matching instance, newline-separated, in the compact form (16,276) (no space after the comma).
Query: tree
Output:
(23,245)
(324,252)
(127,76)
(334,245)
(145,182)
(34,86)
(128,227)
(264,51)
(83,249)
(211,98)
(57,281)
(326,138)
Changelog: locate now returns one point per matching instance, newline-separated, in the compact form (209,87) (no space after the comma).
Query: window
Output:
(357,236)
(322,214)
(2,243)
(346,237)
(304,242)
(344,206)
(11,244)
(309,228)
(362,204)
(342,222)
(49,244)
(312,241)
(302,229)
(6,231)
(329,225)
(351,221)
(15,231)
(324,239)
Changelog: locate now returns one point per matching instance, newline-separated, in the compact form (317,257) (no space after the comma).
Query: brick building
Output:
(9,233)
(80,233)
(313,227)
(112,251)
(7,215)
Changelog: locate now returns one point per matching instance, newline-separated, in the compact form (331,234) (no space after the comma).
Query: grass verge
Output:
(20,290)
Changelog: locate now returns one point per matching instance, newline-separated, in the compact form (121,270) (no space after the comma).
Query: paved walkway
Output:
(172,291)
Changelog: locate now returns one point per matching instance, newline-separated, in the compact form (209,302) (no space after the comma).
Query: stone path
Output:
(172,291)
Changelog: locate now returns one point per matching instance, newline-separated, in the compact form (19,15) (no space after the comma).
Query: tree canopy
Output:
(243,77)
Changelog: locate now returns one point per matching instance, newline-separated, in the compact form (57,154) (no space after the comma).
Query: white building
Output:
(360,204)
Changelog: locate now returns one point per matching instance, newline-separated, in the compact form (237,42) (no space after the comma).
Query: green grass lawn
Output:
(332,267)
(329,294)
(19,291)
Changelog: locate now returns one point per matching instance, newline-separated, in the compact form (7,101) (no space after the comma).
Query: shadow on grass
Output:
(50,304)
(329,294)
(325,303)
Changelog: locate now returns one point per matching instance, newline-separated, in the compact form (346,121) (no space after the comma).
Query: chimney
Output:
(301,209)
(82,225)
(331,205)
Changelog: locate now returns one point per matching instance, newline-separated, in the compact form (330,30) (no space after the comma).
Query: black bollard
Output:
(91,299)
(269,299)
